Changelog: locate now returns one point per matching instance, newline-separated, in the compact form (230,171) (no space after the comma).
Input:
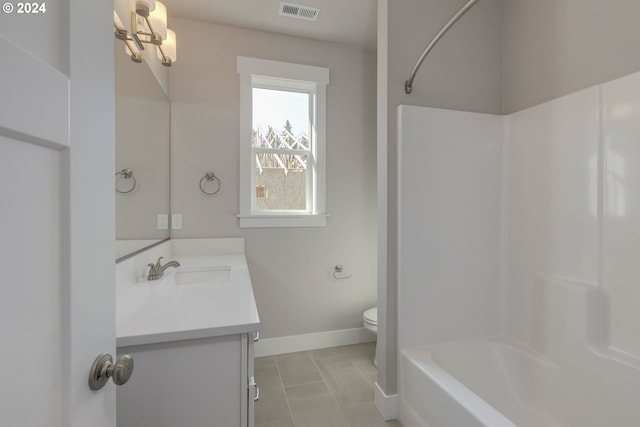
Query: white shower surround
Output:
(524,227)
(449,198)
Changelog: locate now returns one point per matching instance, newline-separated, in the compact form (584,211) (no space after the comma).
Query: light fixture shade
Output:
(169,47)
(117,21)
(144,7)
(158,20)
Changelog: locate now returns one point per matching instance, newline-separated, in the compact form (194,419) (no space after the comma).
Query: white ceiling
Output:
(350,22)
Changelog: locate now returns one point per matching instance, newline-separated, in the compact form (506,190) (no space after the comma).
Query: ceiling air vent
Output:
(299,11)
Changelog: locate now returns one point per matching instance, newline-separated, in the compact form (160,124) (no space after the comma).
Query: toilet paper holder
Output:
(337,270)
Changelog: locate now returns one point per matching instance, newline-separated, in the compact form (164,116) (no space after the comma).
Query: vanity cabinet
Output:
(205,382)
(191,336)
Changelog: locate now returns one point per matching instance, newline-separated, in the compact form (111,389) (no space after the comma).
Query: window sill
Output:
(282,220)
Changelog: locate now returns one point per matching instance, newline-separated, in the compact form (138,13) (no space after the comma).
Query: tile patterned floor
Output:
(331,387)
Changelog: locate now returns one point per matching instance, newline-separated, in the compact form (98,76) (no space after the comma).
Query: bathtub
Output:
(498,383)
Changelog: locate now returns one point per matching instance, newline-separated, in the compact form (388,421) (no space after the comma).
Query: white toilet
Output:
(370,323)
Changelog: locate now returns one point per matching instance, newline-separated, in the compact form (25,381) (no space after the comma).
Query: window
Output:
(282,144)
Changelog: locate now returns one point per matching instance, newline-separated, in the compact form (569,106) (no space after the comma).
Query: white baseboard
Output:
(293,343)
(386,404)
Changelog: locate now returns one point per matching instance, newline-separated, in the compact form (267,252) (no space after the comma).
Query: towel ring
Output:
(126,174)
(210,177)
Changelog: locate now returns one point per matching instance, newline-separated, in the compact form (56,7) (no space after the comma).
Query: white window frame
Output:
(294,77)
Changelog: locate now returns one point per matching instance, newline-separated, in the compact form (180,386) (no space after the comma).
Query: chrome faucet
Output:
(156,270)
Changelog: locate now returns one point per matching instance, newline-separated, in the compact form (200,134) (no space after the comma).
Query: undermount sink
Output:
(217,275)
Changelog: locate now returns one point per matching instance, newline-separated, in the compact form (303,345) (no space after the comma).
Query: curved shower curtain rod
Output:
(408,85)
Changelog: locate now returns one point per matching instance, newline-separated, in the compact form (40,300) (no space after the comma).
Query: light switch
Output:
(176,221)
(162,221)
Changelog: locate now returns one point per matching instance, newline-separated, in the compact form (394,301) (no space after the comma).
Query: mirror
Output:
(142,169)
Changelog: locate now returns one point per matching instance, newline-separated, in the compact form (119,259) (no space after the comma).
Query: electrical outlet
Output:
(162,221)
(176,221)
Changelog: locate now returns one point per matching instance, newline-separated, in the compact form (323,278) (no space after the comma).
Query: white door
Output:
(57,303)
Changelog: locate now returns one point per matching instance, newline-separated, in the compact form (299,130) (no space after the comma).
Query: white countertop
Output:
(161,311)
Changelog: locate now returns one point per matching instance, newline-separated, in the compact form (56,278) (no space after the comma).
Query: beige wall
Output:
(463,71)
(290,267)
(556,47)
(504,56)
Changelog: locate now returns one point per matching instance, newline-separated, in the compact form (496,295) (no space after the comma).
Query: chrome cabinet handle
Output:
(256,336)
(103,368)
(252,383)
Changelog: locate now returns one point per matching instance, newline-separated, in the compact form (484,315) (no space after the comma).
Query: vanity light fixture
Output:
(148,26)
